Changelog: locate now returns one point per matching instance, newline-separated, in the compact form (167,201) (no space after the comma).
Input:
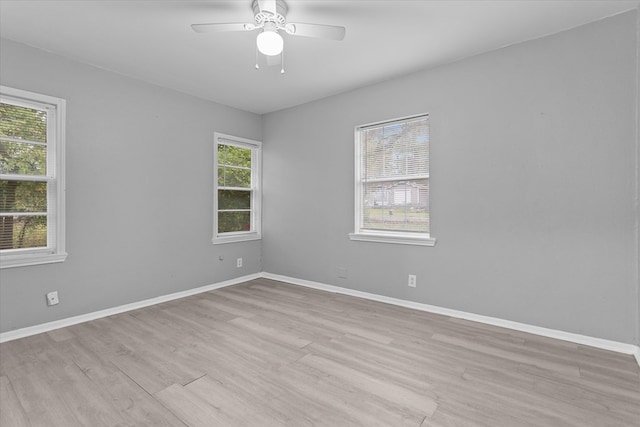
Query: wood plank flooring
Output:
(266,353)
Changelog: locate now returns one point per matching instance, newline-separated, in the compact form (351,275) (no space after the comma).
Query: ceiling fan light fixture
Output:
(270,43)
(270,22)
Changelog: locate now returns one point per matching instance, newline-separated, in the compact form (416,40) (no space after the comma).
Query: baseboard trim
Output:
(62,323)
(619,347)
(523,327)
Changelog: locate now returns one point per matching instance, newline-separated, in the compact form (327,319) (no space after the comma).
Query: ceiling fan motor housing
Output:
(279,18)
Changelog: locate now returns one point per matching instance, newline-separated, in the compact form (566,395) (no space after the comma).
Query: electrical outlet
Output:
(412,281)
(239,262)
(52,298)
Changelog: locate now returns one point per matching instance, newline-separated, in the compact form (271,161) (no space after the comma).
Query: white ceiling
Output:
(153,41)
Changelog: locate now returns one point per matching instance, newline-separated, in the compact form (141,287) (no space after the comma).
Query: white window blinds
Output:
(392,178)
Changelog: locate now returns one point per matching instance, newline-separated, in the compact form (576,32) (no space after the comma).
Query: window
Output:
(392,182)
(32,129)
(237,194)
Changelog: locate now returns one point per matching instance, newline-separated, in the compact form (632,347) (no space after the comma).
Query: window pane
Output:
(23,196)
(237,196)
(22,158)
(17,232)
(234,221)
(396,149)
(234,156)
(396,206)
(234,177)
(234,199)
(23,123)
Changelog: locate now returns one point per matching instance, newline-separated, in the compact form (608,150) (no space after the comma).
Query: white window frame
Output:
(381,236)
(255,233)
(55,178)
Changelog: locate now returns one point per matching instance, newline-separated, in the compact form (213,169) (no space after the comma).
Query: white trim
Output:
(396,178)
(536,330)
(14,260)
(523,327)
(235,237)
(23,214)
(256,189)
(383,123)
(384,236)
(30,178)
(23,141)
(62,323)
(55,176)
(395,238)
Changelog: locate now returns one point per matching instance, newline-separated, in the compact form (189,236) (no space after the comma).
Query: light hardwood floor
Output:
(266,353)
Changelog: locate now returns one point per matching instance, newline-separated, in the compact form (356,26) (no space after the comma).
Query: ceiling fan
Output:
(270,17)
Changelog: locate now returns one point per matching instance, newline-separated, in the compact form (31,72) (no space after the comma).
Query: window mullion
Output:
(23,214)
(395,178)
(23,141)
(234,188)
(30,178)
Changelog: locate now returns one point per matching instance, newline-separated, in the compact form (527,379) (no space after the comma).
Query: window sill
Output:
(24,260)
(234,238)
(393,238)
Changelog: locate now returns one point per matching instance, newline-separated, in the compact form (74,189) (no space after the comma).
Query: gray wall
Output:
(139,199)
(533,185)
(534,157)
(638,175)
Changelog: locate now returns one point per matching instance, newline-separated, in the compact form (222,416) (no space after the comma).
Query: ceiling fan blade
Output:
(267,6)
(222,27)
(330,32)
